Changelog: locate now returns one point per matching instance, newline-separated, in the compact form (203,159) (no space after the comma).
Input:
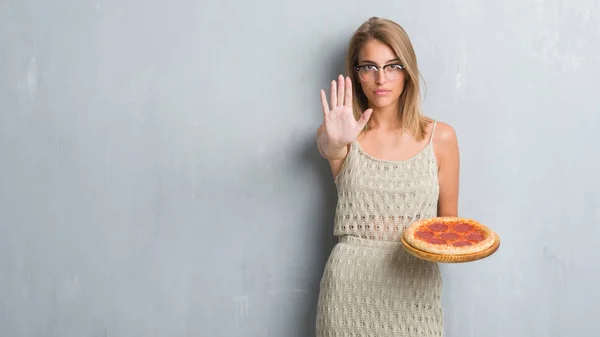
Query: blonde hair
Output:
(395,37)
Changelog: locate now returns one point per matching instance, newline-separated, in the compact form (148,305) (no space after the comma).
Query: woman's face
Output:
(382,86)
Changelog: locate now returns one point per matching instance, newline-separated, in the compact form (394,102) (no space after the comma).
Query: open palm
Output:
(340,124)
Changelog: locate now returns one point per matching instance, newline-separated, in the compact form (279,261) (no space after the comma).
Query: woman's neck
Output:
(386,118)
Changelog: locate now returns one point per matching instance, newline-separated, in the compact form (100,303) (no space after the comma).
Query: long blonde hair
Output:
(395,37)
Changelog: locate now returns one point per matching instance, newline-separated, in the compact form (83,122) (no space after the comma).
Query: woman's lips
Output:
(382,92)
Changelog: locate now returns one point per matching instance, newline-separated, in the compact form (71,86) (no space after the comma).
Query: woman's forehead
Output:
(376,52)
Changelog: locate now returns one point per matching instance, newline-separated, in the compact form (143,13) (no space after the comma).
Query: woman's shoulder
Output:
(443,132)
(444,139)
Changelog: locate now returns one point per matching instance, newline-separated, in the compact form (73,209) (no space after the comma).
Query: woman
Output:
(392,166)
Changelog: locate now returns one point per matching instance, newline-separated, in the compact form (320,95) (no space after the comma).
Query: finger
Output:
(340,92)
(362,121)
(333,94)
(348,98)
(324,103)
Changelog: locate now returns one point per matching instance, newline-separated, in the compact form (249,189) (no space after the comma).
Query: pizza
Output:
(449,236)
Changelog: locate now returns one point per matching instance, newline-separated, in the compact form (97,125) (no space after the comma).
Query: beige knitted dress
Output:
(370,286)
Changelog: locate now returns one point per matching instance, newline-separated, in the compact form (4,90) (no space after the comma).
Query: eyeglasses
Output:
(370,72)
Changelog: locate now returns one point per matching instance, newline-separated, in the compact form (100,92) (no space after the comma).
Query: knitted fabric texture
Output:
(371,287)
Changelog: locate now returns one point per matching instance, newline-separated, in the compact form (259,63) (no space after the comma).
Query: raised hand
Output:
(340,124)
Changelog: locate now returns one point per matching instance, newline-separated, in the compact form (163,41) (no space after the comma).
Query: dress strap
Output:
(432,131)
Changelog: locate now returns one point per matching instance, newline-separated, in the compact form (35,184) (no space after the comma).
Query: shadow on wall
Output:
(322,218)
(322,221)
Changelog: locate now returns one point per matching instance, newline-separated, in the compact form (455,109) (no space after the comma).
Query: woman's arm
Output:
(448,156)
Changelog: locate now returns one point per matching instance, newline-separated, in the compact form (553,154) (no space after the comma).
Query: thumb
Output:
(365,118)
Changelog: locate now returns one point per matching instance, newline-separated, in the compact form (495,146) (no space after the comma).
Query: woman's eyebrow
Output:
(390,61)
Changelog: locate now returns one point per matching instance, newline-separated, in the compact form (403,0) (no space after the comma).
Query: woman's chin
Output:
(382,102)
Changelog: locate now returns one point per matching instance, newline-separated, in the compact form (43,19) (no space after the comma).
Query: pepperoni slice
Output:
(436,241)
(461,243)
(424,235)
(476,237)
(449,236)
(438,227)
(463,227)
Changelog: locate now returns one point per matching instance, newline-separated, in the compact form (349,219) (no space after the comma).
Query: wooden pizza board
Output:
(461,258)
